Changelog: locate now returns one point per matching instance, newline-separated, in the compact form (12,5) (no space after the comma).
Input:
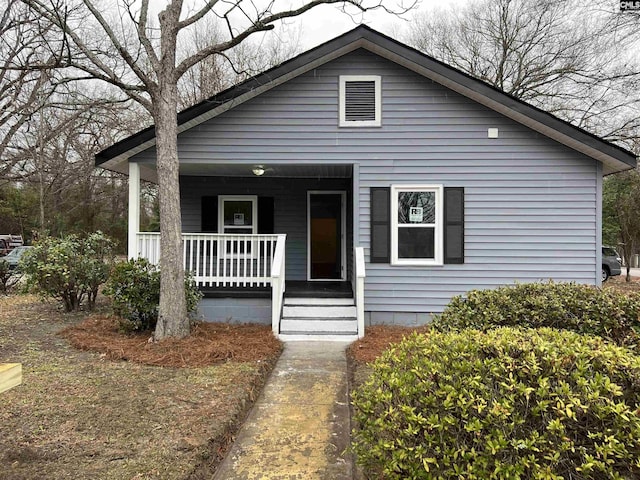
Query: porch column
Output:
(134,209)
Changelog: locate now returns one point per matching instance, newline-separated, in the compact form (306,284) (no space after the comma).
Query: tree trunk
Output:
(172,313)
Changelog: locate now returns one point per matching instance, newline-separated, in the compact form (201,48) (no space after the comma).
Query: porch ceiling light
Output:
(258,170)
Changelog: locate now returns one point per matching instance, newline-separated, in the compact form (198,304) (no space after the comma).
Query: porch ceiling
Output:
(321,170)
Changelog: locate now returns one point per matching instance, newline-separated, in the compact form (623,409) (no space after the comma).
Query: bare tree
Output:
(218,72)
(55,150)
(575,59)
(141,59)
(620,207)
(22,91)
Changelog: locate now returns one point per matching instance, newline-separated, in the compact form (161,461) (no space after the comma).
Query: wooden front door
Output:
(326,235)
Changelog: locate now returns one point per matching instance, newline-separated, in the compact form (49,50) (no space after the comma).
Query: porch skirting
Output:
(258,310)
(235,310)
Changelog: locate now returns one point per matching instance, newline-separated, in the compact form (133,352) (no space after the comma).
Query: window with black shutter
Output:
(417,225)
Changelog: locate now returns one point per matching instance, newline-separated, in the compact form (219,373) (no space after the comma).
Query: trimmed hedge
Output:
(503,404)
(569,306)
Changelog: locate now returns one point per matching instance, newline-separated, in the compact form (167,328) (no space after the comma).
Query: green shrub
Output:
(8,278)
(503,404)
(70,269)
(134,287)
(580,308)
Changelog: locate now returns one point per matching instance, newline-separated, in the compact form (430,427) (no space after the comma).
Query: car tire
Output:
(605,274)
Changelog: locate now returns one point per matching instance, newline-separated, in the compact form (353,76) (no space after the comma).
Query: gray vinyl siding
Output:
(290,208)
(530,203)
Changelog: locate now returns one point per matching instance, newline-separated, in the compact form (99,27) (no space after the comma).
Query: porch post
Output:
(134,210)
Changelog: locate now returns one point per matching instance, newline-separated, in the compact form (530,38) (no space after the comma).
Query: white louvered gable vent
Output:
(360,101)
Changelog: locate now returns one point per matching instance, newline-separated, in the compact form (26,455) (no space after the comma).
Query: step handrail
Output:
(277,284)
(360,274)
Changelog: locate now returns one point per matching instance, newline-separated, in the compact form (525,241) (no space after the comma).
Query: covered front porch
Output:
(248,241)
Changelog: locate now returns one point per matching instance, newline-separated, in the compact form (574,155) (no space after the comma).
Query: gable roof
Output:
(613,157)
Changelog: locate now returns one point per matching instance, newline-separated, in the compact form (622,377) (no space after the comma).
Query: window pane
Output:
(416,242)
(238,212)
(416,207)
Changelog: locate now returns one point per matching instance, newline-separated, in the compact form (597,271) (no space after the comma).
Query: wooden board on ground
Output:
(10,375)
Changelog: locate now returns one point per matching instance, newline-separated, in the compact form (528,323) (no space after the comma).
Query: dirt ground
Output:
(619,284)
(80,415)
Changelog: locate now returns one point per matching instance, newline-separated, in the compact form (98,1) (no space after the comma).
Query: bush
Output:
(70,269)
(580,308)
(8,278)
(134,287)
(502,404)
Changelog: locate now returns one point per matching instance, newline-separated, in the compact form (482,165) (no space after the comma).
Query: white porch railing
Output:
(222,260)
(359,274)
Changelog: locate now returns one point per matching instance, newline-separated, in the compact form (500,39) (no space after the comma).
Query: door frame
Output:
(343,234)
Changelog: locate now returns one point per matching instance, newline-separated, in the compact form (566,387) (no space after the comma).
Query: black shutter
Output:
(380,225)
(209,215)
(265,215)
(454,225)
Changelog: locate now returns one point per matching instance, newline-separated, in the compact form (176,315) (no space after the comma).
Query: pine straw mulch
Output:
(377,339)
(208,344)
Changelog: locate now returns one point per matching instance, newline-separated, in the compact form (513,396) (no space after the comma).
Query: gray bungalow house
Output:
(364,182)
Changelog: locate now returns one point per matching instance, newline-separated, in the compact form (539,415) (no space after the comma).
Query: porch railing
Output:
(222,260)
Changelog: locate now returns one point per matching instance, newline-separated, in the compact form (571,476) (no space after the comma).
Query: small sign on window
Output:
(238,218)
(415,214)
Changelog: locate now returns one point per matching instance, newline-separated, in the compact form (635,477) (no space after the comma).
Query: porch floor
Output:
(294,289)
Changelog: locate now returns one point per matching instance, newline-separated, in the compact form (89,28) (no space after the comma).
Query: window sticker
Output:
(415,214)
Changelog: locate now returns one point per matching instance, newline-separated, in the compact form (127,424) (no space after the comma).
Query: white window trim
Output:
(254,212)
(377,79)
(438,233)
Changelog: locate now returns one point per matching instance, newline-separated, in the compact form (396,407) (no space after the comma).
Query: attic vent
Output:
(360,101)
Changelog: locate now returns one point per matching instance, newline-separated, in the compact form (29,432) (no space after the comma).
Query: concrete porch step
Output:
(307,337)
(318,326)
(318,311)
(319,318)
(318,301)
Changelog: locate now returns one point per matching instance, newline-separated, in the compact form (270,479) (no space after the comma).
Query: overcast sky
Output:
(326,21)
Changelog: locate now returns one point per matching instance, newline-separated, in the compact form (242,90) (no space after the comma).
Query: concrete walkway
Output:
(299,427)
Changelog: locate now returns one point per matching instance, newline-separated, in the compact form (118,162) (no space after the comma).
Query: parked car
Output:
(9,242)
(611,263)
(13,257)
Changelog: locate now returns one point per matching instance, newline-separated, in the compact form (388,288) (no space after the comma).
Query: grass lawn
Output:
(80,415)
